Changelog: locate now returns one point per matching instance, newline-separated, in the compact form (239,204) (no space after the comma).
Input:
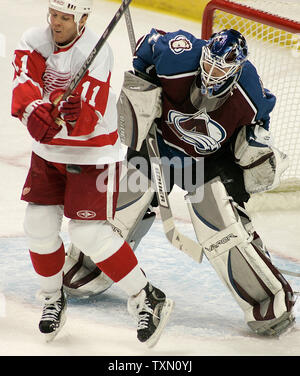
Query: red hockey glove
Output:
(70,108)
(40,124)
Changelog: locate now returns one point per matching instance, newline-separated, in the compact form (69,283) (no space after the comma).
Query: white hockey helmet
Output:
(76,7)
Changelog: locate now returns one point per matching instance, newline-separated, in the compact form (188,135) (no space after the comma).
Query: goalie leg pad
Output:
(258,287)
(129,220)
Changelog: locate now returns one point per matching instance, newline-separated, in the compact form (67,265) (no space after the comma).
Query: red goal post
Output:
(240,10)
(274,44)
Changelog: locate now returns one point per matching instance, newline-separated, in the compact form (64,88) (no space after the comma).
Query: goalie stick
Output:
(177,239)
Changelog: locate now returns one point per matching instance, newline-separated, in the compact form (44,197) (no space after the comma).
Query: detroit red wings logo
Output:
(180,44)
(55,80)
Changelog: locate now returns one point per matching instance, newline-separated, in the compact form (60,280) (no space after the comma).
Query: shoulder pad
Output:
(37,39)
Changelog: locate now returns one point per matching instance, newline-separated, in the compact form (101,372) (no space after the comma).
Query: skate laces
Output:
(52,305)
(51,311)
(144,315)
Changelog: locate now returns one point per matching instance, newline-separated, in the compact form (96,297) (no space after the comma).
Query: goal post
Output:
(272,30)
(240,9)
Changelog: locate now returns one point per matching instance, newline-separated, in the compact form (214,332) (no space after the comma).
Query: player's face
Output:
(63,27)
(215,72)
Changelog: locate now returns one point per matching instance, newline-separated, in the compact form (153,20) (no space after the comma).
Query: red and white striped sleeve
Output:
(29,67)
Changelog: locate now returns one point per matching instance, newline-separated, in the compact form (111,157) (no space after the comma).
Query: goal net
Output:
(272,30)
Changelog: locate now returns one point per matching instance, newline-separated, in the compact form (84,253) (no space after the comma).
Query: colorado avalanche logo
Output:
(203,143)
(180,44)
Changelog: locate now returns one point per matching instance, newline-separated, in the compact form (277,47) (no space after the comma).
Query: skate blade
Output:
(165,314)
(49,337)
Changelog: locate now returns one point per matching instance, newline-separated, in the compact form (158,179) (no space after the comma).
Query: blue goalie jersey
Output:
(192,122)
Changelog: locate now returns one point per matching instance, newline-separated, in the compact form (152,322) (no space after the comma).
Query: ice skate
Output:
(152,309)
(53,316)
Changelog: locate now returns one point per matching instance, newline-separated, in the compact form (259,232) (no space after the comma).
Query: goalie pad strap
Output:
(258,161)
(68,277)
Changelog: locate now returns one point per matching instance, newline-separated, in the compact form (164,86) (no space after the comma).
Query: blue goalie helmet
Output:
(221,61)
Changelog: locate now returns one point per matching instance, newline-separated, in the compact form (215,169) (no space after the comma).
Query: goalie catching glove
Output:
(263,164)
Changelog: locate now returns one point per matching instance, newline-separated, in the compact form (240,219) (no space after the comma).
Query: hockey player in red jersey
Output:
(75,165)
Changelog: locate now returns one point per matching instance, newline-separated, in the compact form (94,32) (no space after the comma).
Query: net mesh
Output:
(276,55)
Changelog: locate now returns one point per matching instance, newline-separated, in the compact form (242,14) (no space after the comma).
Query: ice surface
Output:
(206,320)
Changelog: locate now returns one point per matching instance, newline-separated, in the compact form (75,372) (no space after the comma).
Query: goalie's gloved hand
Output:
(40,123)
(70,108)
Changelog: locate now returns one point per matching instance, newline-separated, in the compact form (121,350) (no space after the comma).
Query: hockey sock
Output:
(50,263)
(49,268)
(122,267)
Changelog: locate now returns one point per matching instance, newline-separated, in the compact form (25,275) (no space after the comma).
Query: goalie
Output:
(214,107)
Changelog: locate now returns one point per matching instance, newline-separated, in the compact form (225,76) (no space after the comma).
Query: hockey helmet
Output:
(76,7)
(221,60)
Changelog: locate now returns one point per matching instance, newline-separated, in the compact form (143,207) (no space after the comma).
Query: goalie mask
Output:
(221,61)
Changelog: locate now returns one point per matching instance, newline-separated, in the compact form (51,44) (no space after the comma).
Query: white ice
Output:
(206,320)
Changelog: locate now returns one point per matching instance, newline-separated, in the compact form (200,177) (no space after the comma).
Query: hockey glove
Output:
(40,123)
(263,164)
(70,108)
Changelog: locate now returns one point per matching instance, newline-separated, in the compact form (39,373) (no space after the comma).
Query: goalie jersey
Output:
(40,69)
(191,122)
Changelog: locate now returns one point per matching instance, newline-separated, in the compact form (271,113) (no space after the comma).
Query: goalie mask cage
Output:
(272,30)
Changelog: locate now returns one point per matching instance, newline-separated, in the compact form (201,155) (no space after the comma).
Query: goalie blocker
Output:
(225,232)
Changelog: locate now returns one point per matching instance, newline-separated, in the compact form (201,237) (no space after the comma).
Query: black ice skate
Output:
(152,310)
(53,317)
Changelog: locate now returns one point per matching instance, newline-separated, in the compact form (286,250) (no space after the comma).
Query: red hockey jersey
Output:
(40,69)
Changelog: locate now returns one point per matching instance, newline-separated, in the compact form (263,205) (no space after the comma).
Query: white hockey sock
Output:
(133,282)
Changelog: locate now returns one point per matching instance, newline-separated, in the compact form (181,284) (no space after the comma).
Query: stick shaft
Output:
(89,60)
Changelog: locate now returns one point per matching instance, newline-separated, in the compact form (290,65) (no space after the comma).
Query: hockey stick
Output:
(180,241)
(177,239)
(89,60)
